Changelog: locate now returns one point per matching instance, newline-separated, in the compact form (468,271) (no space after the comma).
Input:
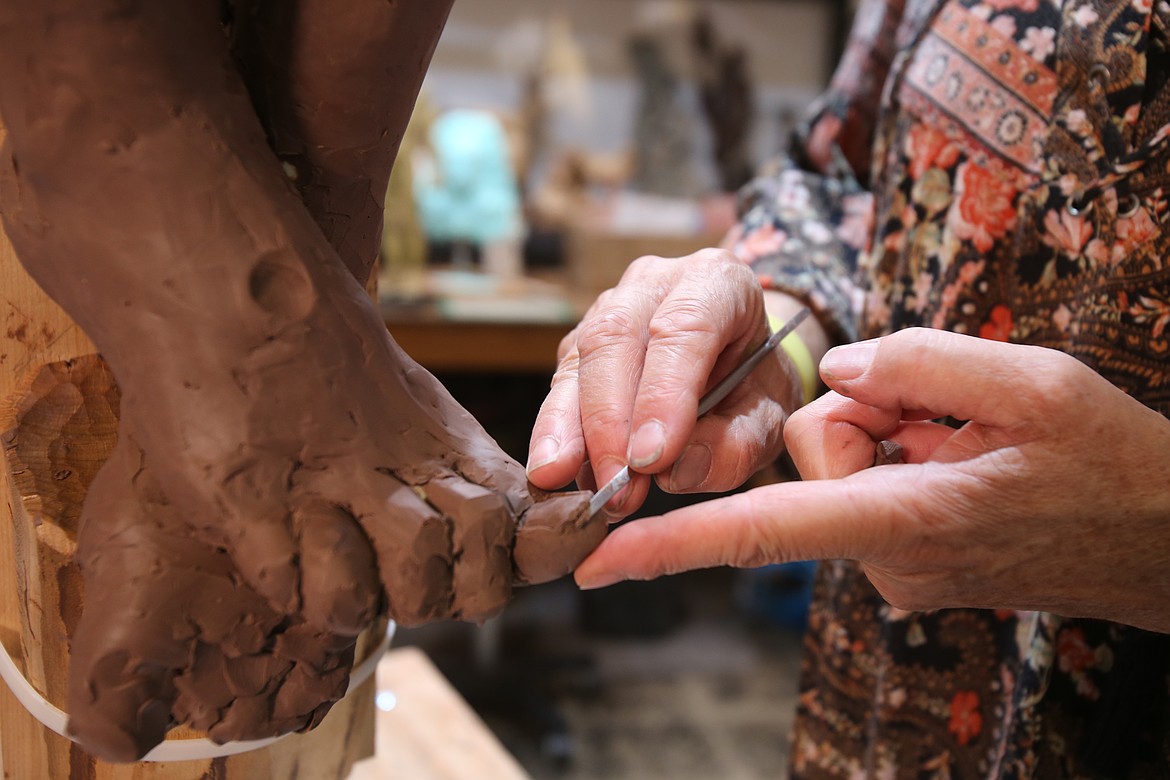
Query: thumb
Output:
(921,373)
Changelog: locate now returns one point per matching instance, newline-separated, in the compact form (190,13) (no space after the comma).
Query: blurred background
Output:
(553,143)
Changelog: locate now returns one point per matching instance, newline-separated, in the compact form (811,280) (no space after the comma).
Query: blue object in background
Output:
(779,594)
(472,195)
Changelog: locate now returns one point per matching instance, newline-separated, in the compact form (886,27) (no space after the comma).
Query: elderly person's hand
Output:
(1054,495)
(631,375)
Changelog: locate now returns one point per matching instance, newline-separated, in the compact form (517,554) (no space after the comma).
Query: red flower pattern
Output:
(988,247)
(1067,232)
(966,719)
(986,207)
(930,148)
(1137,229)
(998,326)
(762,241)
(1073,651)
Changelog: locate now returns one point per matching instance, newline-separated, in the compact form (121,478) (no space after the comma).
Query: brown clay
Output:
(284,472)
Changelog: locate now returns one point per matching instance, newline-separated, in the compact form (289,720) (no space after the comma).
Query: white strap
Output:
(197,749)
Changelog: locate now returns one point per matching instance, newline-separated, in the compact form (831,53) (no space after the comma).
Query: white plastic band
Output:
(197,749)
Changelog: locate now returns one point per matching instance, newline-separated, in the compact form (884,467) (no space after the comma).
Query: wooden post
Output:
(62,398)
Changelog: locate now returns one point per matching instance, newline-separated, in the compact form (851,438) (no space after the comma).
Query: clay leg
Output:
(270,365)
(279,327)
(334,88)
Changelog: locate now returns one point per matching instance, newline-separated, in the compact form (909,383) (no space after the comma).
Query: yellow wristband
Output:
(797,351)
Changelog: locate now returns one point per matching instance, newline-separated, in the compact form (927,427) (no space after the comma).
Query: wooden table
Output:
(426,731)
(441,344)
(491,334)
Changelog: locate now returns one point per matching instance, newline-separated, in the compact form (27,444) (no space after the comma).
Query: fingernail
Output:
(544,453)
(599,581)
(647,444)
(849,361)
(692,468)
(613,507)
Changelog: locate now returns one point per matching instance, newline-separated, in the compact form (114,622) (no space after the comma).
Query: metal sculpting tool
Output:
(706,403)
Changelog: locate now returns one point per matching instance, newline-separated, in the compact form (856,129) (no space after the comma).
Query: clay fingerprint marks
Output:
(340,590)
(556,533)
(179,638)
(407,540)
(171,635)
(482,534)
(307,556)
(280,286)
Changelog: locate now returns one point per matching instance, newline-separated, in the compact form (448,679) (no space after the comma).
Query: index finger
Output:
(702,327)
(611,347)
(860,517)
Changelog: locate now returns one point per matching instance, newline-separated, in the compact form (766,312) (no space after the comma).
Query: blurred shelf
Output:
(469,322)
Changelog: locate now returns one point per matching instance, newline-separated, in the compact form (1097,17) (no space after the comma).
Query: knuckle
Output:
(604,300)
(750,554)
(678,318)
(749,446)
(608,327)
(913,341)
(643,266)
(566,369)
(917,336)
(896,592)
(728,268)
(717,257)
(602,417)
(1054,387)
(1057,380)
(725,276)
(560,389)
(758,544)
(559,378)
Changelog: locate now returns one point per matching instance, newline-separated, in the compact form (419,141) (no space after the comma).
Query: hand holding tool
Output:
(707,402)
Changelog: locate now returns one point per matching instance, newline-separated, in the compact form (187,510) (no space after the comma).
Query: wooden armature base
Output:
(58,398)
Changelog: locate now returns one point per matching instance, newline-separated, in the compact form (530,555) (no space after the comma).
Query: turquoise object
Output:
(473,196)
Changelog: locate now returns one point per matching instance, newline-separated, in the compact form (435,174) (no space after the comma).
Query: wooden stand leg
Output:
(62,403)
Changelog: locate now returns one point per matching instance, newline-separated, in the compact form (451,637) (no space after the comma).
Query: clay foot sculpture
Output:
(168,632)
(277,416)
(232,666)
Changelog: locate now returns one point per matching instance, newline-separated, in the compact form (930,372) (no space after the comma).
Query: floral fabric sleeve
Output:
(801,233)
(804,221)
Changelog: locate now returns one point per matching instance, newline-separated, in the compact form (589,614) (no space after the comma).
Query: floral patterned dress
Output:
(998,168)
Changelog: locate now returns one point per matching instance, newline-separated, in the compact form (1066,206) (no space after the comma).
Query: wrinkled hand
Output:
(1054,495)
(631,374)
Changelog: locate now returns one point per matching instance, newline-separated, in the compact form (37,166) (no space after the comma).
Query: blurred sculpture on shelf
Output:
(575,179)
(469,196)
(726,94)
(663,132)
(404,244)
